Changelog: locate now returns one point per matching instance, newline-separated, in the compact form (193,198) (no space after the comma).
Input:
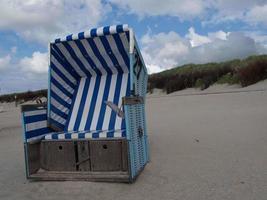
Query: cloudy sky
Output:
(170,32)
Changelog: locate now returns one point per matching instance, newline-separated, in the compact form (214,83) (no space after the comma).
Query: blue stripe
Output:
(34,118)
(127,35)
(57,40)
(60,100)
(61,75)
(122,49)
(66,64)
(37,132)
(106,30)
(60,87)
(123,133)
(104,106)
(56,123)
(119,28)
(69,37)
(110,134)
(93,32)
(72,105)
(76,59)
(87,57)
(93,102)
(115,101)
(98,55)
(67,136)
(95,135)
(110,53)
(81,135)
(59,112)
(82,104)
(54,136)
(128,93)
(81,35)
(62,60)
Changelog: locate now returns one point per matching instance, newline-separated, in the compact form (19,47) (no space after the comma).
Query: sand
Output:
(203,147)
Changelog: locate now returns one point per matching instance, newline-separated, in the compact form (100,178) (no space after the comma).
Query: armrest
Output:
(34,122)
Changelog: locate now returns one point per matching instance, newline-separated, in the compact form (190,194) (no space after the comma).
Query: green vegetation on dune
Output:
(244,72)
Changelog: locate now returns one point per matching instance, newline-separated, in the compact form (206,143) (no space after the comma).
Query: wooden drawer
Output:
(58,156)
(108,155)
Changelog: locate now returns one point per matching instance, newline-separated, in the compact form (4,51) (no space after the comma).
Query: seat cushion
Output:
(85,135)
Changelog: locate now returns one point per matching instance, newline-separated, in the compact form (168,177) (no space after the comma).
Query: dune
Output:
(202,147)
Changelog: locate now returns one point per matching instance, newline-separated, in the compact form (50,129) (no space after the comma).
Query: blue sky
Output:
(170,32)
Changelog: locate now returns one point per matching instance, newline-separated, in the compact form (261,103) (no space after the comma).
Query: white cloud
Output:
(4,62)
(196,39)
(209,11)
(37,64)
(257,15)
(183,9)
(165,50)
(251,12)
(40,20)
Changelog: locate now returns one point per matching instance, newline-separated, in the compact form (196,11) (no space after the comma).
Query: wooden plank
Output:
(58,156)
(33,155)
(85,176)
(106,155)
(83,156)
(124,155)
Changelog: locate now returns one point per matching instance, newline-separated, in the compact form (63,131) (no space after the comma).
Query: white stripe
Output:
(122,94)
(125,42)
(103,134)
(81,57)
(113,29)
(98,102)
(87,103)
(105,55)
(60,93)
(62,82)
(34,112)
(117,54)
(75,36)
(110,98)
(77,103)
(88,135)
(100,31)
(125,27)
(61,68)
(93,57)
(74,136)
(87,34)
(37,138)
(59,106)
(36,125)
(61,136)
(67,55)
(118,134)
(48,137)
(57,118)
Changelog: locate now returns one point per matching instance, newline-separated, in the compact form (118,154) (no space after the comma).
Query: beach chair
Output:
(93,126)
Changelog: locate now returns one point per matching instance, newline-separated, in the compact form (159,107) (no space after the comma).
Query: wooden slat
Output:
(105,155)
(85,176)
(83,156)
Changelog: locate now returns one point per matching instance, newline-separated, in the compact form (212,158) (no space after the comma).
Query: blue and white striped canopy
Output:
(86,70)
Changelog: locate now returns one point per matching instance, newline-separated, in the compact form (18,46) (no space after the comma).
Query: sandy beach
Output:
(205,147)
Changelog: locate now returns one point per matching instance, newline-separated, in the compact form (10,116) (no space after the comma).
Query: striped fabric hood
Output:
(86,70)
